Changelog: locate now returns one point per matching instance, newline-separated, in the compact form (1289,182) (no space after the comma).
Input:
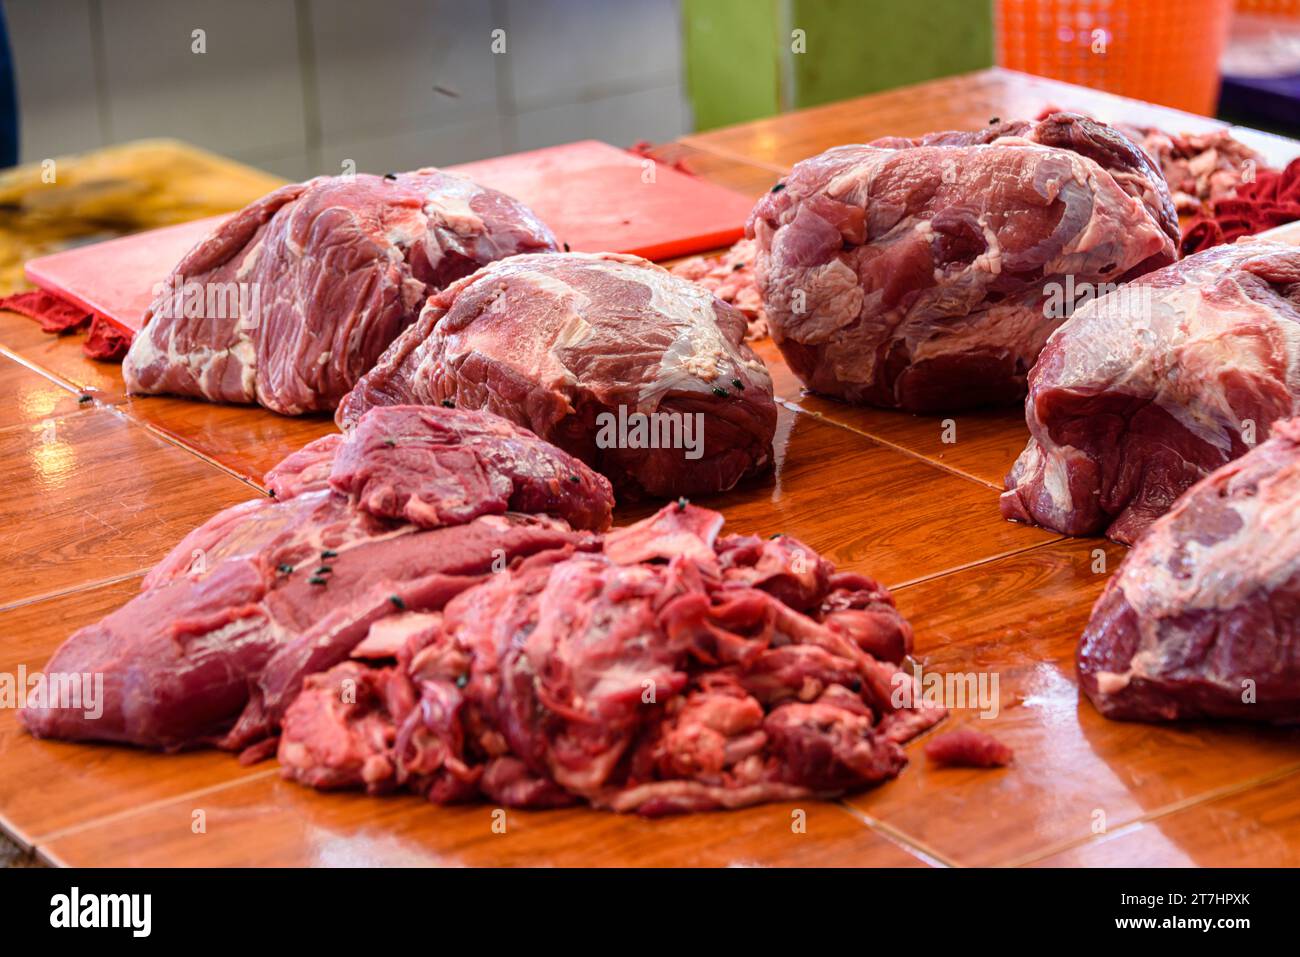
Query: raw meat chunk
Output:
(228,625)
(1203,617)
(1147,390)
(968,748)
(290,300)
(1200,168)
(668,670)
(927,274)
(642,375)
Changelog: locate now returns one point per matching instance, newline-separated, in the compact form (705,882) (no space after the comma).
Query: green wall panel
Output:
(731,60)
(740,65)
(863,46)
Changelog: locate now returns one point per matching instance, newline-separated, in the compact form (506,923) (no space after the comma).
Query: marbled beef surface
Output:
(1149,389)
(565,344)
(300,292)
(1203,617)
(917,274)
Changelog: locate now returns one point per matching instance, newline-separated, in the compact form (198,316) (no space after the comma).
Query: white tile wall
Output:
(655,114)
(569,49)
(377,64)
(296,86)
(55,74)
(443,145)
(243,95)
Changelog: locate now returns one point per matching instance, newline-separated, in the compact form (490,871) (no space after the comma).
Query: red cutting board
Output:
(595,197)
(116,278)
(598,198)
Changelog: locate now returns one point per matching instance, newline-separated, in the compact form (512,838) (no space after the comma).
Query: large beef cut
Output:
(641,374)
(1148,389)
(1203,617)
(927,274)
(671,669)
(412,507)
(290,300)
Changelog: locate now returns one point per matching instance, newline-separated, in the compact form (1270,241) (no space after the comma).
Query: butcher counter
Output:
(100,485)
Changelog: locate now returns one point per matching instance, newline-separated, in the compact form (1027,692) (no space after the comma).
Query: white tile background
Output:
(300,86)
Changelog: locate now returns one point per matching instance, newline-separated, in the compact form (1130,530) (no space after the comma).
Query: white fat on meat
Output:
(1205,345)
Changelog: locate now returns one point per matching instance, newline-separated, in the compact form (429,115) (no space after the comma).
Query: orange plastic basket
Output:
(1162,51)
(1274,8)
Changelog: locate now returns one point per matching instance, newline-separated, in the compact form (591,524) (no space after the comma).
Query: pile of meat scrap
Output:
(1270,199)
(1227,188)
(435,602)
(730,277)
(1200,168)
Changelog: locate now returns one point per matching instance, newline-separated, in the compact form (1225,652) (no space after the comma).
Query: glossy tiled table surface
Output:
(99,486)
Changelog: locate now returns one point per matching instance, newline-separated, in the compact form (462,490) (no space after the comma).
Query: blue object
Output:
(8,101)
(1265,100)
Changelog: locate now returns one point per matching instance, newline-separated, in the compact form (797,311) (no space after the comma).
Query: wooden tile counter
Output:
(91,497)
(101,485)
(966,101)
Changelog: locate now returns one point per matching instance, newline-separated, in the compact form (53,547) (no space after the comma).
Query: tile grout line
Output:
(117,408)
(947,571)
(1150,817)
(916,848)
(10,831)
(975,564)
(97,403)
(179,444)
(39,842)
(793,406)
(47,373)
(84,586)
(42,856)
